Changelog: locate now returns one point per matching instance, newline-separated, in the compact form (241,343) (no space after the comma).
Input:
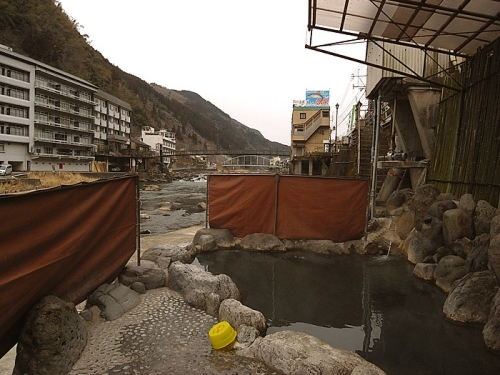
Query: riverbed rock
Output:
(457,224)
(425,271)
(223,237)
(51,340)
(148,273)
(202,206)
(494,256)
(491,330)
(485,212)
(324,247)
(424,197)
(237,314)
(170,206)
(298,353)
(450,269)
(163,255)
(151,188)
(195,284)
(262,242)
(477,257)
(113,300)
(469,301)
(460,247)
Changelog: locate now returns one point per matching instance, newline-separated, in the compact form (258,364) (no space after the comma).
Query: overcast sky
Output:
(245,57)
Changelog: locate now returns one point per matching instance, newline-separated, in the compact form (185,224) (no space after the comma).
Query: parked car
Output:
(5,169)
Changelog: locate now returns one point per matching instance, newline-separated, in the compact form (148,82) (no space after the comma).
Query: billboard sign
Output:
(317,98)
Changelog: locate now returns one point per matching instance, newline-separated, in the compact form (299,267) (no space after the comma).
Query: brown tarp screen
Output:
(65,242)
(293,207)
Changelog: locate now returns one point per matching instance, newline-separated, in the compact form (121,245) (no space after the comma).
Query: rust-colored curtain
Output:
(64,241)
(303,207)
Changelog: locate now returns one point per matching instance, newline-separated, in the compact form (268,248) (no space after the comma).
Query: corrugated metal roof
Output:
(459,26)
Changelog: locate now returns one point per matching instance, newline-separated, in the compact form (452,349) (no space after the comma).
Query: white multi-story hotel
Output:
(162,142)
(51,120)
(112,132)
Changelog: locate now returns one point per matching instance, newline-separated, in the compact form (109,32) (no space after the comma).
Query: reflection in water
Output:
(371,305)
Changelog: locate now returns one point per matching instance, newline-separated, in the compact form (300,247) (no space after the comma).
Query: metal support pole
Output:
(277,180)
(138,218)
(375,156)
(336,123)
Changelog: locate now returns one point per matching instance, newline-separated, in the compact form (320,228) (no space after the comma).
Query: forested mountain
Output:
(40,29)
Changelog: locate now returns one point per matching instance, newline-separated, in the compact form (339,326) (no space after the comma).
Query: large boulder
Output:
(237,315)
(457,224)
(491,330)
(413,247)
(477,257)
(469,301)
(196,285)
(262,242)
(113,300)
(51,340)
(438,208)
(425,271)
(223,237)
(206,242)
(163,255)
(432,236)
(494,256)
(449,269)
(485,212)
(324,247)
(398,198)
(298,353)
(148,273)
(404,224)
(424,197)
(467,204)
(495,226)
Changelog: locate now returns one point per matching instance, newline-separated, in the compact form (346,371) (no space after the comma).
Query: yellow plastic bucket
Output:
(221,335)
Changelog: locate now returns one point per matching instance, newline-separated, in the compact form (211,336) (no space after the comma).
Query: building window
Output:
(2,147)
(302,116)
(326,113)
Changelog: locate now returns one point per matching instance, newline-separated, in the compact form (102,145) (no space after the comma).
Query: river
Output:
(372,305)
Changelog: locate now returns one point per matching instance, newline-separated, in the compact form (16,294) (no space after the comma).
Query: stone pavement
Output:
(162,335)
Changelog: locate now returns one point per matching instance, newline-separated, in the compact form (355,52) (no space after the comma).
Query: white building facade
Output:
(111,127)
(162,142)
(51,120)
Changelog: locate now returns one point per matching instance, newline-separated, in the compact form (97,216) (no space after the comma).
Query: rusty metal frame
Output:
(417,6)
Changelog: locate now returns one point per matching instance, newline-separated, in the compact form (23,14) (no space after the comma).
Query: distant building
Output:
(112,132)
(310,144)
(48,123)
(162,142)
(45,116)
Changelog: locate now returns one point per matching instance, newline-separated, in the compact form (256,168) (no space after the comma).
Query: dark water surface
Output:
(371,305)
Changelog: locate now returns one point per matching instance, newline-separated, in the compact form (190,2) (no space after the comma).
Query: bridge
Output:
(253,161)
(229,152)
